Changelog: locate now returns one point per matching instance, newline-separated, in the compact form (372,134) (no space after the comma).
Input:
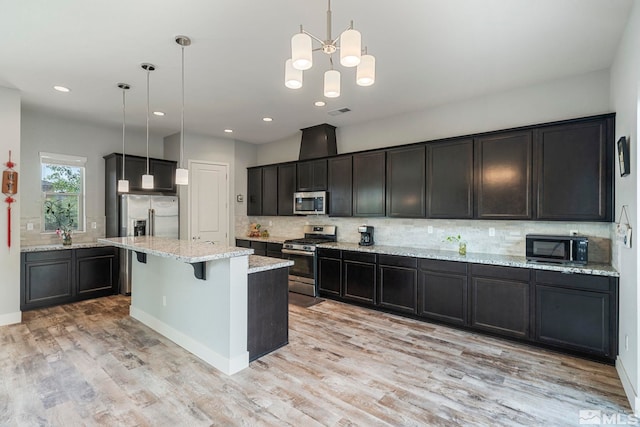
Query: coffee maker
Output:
(366,235)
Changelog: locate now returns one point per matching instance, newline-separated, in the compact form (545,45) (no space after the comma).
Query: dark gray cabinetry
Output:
(340,185)
(329,272)
(164,175)
(270,249)
(450,179)
(573,174)
(577,312)
(406,182)
(359,276)
(312,175)
(254,191)
(274,250)
(500,300)
(398,283)
(286,188)
(503,175)
(270,190)
(442,291)
(61,276)
(369,188)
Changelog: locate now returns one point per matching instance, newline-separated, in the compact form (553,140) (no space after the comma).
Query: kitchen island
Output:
(195,294)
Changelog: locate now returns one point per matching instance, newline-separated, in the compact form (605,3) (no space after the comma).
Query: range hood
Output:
(318,141)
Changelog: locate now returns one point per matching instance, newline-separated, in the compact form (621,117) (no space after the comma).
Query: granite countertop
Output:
(60,246)
(492,259)
(259,263)
(180,250)
(270,239)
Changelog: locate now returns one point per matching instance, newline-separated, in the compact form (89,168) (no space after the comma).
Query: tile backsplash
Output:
(36,237)
(508,238)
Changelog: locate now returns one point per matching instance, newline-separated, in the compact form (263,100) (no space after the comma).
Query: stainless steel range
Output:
(302,275)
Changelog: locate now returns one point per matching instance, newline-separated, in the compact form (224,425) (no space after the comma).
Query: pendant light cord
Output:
(182,117)
(124,115)
(148,73)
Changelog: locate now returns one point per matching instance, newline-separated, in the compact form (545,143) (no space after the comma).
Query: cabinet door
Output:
(312,175)
(340,186)
(274,250)
(359,276)
(406,182)
(96,272)
(329,276)
(499,302)
(442,291)
(450,179)
(243,243)
(259,248)
(369,184)
(134,168)
(47,279)
(503,176)
(254,191)
(574,171)
(286,188)
(164,175)
(398,283)
(270,190)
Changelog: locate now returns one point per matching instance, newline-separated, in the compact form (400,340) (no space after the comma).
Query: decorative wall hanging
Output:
(9,189)
(623,156)
(623,230)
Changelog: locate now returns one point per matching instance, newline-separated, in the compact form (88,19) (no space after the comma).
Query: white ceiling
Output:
(428,52)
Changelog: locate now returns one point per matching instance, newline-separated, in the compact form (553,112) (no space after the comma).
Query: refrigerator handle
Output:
(152,222)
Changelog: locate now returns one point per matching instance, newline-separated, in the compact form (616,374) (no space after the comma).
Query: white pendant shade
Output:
(332,84)
(292,77)
(301,53)
(147,182)
(182,176)
(366,71)
(123,186)
(350,48)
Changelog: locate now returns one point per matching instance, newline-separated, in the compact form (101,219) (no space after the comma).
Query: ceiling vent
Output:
(318,141)
(339,111)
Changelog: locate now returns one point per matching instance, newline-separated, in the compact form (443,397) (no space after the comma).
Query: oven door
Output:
(302,274)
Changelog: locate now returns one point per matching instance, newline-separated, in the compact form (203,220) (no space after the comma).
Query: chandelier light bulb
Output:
(301,53)
(292,77)
(332,84)
(366,71)
(350,48)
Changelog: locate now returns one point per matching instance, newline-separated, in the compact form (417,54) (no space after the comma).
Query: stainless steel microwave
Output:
(557,249)
(314,202)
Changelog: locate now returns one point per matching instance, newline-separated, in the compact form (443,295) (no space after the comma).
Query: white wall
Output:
(576,96)
(10,257)
(45,131)
(625,95)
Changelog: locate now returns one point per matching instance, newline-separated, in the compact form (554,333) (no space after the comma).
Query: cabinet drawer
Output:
(243,243)
(275,247)
(93,252)
(577,281)
(443,266)
(48,255)
(359,256)
(397,261)
(511,273)
(329,253)
(261,246)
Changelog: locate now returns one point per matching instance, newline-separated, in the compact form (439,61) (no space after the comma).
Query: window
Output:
(62,183)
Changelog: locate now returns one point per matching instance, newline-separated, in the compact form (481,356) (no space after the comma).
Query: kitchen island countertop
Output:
(259,263)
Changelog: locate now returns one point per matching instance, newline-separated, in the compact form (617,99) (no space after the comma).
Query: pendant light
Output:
(123,184)
(366,71)
(147,179)
(182,174)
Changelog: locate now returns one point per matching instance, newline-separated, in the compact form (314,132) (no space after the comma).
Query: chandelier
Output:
(351,55)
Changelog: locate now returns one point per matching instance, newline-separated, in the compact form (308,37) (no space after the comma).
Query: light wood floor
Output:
(89,363)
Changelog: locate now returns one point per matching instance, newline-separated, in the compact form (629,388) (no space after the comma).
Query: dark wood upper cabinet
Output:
(312,175)
(254,191)
(164,175)
(270,190)
(503,169)
(406,182)
(450,179)
(286,188)
(573,173)
(340,185)
(369,184)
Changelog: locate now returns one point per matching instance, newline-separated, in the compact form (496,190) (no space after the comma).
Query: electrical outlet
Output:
(94,225)
(430,229)
(30,226)
(492,231)
(270,223)
(573,232)
(164,301)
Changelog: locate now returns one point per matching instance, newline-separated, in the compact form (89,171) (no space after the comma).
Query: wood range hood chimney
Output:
(318,141)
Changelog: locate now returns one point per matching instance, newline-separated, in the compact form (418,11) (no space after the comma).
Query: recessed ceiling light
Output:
(158,113)
(319,103)
(228,130)
(62,89)
(267,119)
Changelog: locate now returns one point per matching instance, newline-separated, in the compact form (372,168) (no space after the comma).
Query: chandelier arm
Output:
(313,37)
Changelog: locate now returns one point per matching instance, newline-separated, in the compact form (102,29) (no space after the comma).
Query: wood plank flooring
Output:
(89,363)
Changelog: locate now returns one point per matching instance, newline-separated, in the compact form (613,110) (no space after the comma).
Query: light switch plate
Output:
(492,231)
(430,229)
(29,226)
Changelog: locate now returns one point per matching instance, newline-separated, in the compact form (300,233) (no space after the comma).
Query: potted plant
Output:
(462,245)
(63,218)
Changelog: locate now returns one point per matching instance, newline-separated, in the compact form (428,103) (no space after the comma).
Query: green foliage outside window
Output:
(62,187)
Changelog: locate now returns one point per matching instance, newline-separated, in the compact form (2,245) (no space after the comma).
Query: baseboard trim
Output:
(632,395)
(10,318)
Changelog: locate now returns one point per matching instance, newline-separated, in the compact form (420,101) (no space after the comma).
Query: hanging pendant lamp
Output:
(147,179)
(182,173)
(123,184)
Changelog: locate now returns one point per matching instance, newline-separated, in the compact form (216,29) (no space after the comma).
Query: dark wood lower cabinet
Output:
(329,272)
(398,283)
(269,249)
(359,276)
(62,276)
(442,291)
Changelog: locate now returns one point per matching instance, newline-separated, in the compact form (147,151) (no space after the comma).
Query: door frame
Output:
(190,164)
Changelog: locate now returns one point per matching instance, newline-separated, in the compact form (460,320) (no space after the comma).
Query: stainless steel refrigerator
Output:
(143,215)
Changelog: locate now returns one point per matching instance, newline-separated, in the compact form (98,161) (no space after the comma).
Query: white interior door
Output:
(209,195)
